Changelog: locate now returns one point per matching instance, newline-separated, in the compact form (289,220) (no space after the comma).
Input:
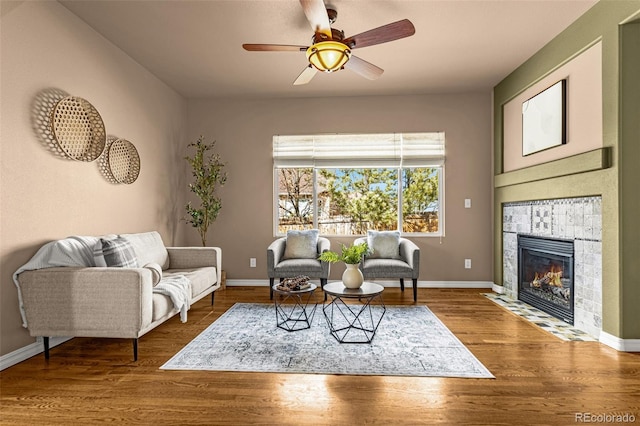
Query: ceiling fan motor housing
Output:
(336,35)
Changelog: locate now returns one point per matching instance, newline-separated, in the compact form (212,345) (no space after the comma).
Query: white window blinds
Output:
(359,150)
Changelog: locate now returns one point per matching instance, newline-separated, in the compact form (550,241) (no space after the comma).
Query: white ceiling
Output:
(196,46)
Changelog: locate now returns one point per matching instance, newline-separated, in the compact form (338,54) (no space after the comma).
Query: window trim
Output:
(305,155)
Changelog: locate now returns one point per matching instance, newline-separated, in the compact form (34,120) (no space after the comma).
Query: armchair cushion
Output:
(293,267)
(301,244)
(385,244)
(387,268)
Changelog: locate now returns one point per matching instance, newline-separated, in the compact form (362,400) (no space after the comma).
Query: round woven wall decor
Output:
(124,161)
(78,129)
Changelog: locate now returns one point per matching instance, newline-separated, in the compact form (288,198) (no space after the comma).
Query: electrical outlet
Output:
(467,203)
(467,264)
(252,262)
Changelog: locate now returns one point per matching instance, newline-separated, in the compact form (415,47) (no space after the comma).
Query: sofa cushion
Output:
(162,306)
(301,244)
(385,244)
(149,248)
(116,252)
(201,278)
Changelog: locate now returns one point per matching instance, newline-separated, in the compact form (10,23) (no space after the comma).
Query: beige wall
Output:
(584,111)
(244,129)
(44,197)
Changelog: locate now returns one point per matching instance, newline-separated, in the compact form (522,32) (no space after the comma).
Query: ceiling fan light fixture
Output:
(328,56)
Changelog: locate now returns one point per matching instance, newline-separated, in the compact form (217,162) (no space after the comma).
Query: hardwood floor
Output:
(539,378)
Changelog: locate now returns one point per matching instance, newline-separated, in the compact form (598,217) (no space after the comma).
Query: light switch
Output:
(467,203)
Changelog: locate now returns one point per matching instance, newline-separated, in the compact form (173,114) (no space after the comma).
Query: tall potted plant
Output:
(351,256)
(208,173)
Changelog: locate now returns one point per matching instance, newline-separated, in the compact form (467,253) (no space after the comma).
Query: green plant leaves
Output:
(208,173)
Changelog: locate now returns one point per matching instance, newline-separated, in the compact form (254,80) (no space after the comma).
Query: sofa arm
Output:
(196,257)
(89,302)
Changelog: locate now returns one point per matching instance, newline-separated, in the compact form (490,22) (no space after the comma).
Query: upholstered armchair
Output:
(297,254)
(392,257)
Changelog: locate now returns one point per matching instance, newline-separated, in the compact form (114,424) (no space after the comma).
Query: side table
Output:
(293,310)
(354,322)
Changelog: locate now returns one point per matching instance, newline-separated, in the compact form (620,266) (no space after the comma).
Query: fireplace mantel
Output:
(597,159)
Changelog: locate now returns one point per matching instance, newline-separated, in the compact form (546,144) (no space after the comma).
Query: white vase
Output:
(352,276)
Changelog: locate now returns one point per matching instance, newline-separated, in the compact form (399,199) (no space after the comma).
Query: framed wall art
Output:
(544,119)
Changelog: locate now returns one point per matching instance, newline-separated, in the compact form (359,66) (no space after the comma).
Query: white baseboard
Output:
(385,283)
(26,352)
(497,288)
(622,345)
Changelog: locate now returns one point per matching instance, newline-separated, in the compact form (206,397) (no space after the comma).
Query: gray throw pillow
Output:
(302,244)
(117,252)
(385,244)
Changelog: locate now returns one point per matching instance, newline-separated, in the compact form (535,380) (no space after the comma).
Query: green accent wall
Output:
(613,173)
(629,178)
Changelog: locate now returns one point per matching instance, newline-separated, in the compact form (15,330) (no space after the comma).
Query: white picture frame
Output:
(544,123)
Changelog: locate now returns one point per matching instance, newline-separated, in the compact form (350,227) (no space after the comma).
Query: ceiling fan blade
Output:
(274,48)
(305,76)
(316,13)
(364,68)
(383,34)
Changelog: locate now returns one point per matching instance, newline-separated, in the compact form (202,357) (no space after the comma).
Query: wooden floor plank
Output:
(540,379)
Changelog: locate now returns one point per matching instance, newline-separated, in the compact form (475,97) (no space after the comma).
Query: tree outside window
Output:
(352,201)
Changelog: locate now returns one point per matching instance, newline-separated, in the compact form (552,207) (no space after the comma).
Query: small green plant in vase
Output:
(351,256)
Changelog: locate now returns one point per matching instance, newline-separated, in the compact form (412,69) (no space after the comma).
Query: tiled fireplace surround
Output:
(577,219)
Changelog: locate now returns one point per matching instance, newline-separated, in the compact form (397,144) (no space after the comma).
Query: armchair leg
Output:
(270,288)
(415,289)
(213,296)
(45,342)
(401,284)
(135,349)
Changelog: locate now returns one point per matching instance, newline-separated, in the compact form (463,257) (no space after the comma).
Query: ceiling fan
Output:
(330,50)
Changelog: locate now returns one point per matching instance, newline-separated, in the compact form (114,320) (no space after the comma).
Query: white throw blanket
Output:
(78,251)
(178,288)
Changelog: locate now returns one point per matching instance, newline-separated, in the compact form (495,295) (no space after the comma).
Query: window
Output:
(349,184)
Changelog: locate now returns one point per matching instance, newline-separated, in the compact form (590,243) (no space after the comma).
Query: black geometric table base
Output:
(354,322)
(295,309)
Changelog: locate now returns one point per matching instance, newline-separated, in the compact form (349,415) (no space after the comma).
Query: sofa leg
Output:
(415,289)
(45,342)
(135,349)
(213,296)
(401,284)
(270,288)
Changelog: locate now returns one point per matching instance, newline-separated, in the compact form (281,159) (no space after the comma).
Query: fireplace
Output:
(545,275)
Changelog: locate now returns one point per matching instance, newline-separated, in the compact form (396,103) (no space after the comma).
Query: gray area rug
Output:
(410,341)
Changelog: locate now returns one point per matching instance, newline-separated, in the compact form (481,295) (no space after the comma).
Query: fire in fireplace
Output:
(545,275)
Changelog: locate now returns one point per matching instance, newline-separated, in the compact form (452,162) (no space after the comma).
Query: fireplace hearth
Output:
(545,275)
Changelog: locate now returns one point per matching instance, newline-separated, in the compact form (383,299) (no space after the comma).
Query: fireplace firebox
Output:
(545,275)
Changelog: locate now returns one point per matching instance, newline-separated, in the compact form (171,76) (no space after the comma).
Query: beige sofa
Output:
(118,302)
